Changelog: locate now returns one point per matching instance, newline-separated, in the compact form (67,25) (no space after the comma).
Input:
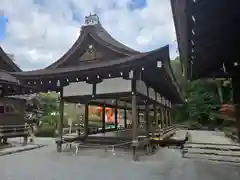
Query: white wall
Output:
(78,89)
(114,85)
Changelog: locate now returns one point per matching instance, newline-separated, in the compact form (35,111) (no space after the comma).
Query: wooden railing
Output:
(13,131)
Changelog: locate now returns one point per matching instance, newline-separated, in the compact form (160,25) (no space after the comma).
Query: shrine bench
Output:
(12,131)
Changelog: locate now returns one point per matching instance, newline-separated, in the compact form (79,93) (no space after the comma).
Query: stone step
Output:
(212,152)
(218,158)
(213,147)
(213,144)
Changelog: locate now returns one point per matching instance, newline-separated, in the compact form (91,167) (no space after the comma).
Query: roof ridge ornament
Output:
(91,19)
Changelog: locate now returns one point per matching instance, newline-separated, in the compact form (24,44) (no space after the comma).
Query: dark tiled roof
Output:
(158,53)
(6,77)
(7,60)
(206,36)
(99,34)
(99,31)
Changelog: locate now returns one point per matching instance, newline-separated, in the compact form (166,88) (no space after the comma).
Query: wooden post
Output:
(159,120)
(236,99)
(125,117)
(134,127)
(162,117)
(25,140)
(146,114)
(170,118)
(86,121)
(60,122)
(103,119)
(116,115)
(155,117)
(134,117)
(166,117)
(138,116)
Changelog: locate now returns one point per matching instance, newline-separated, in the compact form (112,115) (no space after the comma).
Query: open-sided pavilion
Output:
(98,70)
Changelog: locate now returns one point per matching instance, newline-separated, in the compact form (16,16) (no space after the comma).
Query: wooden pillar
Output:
(125,117)
(146,117)
(134,117)
(25,140)
(236,99)
(159,120)
(162,117)
(155,117)
(138,116)
(103,119)
(170,117)
(86,131)
(60,122)
(166,115)
(134,126)
(116,115)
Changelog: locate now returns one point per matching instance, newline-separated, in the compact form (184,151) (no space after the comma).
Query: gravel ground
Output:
(46,164)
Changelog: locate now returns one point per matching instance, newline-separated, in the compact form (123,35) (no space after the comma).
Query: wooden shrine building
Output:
(209,40)
(100,70)
(12,121)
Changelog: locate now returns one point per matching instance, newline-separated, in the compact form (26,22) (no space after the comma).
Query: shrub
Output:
(46,131)
(195,126)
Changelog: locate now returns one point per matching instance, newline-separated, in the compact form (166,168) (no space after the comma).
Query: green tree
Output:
(201,97)
(49,105)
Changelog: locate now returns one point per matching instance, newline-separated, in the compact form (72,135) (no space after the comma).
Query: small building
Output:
(12,108)
(12,122)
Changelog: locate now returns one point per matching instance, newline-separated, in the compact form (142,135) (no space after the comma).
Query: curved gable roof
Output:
(6,77)
(99,32)
(11,66)
(101,36)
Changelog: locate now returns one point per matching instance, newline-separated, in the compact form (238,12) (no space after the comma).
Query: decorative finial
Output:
(92,19)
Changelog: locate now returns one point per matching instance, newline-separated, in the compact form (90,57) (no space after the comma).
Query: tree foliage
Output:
(201,97)
(49,105)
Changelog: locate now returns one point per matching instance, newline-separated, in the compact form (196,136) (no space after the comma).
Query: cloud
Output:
(40,31)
